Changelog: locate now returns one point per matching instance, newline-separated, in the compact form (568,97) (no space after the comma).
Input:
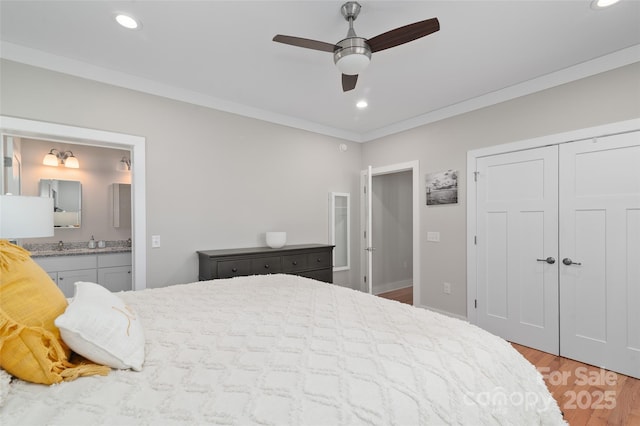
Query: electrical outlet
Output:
(433,236)
(155,241)
(446,288)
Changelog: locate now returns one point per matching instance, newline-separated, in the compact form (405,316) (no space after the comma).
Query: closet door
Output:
(600,252)
(517,243)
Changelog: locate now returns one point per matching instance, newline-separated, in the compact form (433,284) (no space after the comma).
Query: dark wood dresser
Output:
(307,260)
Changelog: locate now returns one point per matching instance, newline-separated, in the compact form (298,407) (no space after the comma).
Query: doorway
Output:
(390,229)
(19,127)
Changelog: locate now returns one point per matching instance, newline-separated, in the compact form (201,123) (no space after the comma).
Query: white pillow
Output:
(100,327)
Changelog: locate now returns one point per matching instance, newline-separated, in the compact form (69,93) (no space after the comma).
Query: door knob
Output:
(568,262)
(550,260)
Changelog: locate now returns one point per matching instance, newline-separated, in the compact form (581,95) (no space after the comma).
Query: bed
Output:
(287,350)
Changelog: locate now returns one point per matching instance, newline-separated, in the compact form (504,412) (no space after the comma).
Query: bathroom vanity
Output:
(107,267)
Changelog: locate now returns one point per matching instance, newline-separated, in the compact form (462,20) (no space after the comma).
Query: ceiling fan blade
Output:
(403,35)
(349,82)
(305,42)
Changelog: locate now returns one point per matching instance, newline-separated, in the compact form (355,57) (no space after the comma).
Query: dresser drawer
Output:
(234,268)
(266,265)
(293,263)
(320,259)
(325,275)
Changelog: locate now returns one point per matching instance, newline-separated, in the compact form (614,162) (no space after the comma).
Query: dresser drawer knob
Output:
(318,260)
(294,263)
(234,269)
(266,266)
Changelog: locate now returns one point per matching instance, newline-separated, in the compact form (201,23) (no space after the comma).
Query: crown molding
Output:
(37,58)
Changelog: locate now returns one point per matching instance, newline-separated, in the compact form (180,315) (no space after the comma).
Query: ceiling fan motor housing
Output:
(352,56)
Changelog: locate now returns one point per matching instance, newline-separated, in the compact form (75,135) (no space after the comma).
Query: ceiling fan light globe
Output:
(352,56)
(353,64)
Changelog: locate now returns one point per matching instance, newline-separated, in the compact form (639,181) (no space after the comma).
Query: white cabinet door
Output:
(517,223)
(600,234)
(67,279)
(116,278)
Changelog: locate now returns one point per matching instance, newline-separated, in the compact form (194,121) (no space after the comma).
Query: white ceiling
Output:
(220,54)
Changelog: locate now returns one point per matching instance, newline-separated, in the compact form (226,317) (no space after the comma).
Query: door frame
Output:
(80,135)
(556,139)
(414,167)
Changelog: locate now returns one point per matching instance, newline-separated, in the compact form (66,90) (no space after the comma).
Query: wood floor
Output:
(404,295)
(587,395)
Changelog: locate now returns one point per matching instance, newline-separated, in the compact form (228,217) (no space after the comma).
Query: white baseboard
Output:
(440,311)
(383,288)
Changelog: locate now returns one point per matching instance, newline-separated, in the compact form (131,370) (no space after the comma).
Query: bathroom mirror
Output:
(67,201)
(339,218)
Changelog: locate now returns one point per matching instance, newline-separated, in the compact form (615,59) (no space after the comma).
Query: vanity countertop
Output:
(76,249)
(78,252)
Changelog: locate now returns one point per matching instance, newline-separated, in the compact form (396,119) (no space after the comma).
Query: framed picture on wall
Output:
(442,187)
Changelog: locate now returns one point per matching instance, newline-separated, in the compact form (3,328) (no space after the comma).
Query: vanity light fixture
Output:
(55,158)
(362,104)
(124,165)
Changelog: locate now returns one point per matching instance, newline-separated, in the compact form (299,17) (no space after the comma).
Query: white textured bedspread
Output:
(285,350)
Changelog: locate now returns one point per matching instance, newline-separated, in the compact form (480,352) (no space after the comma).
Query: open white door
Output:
(368,230)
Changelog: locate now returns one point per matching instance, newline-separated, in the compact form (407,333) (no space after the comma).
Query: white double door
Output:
(558,260)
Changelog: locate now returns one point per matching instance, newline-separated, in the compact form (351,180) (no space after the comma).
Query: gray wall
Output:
(214,179)
(392,226)
(605,98)
(219,180)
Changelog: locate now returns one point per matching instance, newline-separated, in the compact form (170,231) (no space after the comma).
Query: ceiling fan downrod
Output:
(350,10)
(353,53)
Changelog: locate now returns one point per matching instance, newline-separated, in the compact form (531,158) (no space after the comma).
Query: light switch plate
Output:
(433,236)
(155,241)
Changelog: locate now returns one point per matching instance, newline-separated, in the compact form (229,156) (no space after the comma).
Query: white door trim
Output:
(101,138)
(414,167)
(472,156)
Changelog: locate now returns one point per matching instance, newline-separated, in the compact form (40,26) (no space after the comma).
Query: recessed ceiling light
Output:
(127,21)
(362,104)
(601,4)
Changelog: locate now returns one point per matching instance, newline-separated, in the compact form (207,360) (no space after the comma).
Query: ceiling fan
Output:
(352,54)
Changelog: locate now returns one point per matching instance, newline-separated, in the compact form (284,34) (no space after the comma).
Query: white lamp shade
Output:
(72,162)
(50,160)
(123,166)
(353,64)
(25,217)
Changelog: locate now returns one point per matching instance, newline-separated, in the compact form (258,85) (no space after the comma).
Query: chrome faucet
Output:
(60,245)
